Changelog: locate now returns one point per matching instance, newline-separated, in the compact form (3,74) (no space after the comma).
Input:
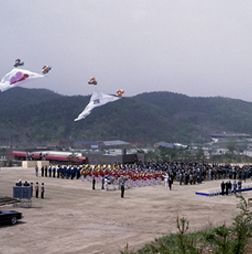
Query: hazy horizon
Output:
(198,48)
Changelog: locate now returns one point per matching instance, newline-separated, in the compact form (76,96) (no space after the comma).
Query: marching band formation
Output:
(129,174)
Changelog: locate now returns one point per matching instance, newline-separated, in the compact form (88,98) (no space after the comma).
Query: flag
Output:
(97,99)
(17,77)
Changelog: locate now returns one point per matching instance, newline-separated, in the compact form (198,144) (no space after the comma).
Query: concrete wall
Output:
(95,159)
(32,164)
(98,159)
(128,158)
(140,157)
(28,164)
(42,163)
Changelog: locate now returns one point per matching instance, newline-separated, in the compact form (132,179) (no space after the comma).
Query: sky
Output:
(200,48)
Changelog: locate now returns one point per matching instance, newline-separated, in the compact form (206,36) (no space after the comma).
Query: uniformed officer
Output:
(42,171)
(46,171)
(227,185)
(222,188)
(122,190)
(42,190)
(78,172)
(36,170)
(93,182)
(37,189)
(31,188)
(58,171)
(50,171)
(170,183)
(102,182)
(239,185)
(54,171)
(234,187)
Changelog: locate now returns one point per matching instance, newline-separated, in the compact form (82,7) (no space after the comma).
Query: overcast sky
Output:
(193,47)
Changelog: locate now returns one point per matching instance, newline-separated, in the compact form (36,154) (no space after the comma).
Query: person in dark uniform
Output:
(170,183)
(102,182)
(46,171)
(93,182)
(58,171)
(50,171)
(63,171)
(26,184)
(222,188)
(71,170)
(74,171)
(239,185)
(54,171)
(37,189)
(36,170)
(235,173)
(42,190)
(68,172)
(229,187)
(234,187)
(19,183)
(78,173)
(226,185)
(42,171)
(122,190)
(31,188)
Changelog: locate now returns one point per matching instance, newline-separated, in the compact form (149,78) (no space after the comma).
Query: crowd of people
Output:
(151,173)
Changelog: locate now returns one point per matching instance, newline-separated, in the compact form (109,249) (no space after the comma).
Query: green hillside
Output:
(19,97)
(39,116)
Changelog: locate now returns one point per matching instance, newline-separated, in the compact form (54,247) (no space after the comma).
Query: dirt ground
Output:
(73,218)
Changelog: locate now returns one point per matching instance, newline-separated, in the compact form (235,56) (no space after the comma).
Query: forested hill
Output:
(38,116)
(20,97)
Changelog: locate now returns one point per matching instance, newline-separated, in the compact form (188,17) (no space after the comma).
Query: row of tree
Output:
(189,154)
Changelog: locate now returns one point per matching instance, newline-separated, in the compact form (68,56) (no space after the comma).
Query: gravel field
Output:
(73,218)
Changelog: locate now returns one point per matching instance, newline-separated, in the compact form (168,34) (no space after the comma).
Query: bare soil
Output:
(73,218)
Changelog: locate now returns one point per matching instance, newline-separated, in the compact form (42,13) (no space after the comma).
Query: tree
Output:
(200,156)
(231,145)
(153,155)
(242,225)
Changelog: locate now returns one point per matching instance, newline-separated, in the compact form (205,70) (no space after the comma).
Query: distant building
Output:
(61,144)
(100,144)
(164,144)
(227,135)
(86,144)
(169,145)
